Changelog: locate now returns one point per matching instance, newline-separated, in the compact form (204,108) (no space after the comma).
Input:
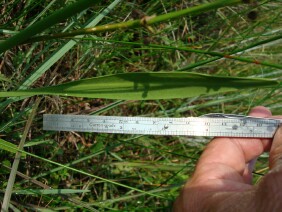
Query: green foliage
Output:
(234,63)
(7,146)
(148,86)
(3,78)
(54,18)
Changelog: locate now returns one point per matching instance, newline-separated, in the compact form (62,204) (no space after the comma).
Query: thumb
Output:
(269,192)
(275,156)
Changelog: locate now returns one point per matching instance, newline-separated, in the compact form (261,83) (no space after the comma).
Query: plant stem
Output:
(45,23)
(193,10)
(217,55)
(14,169)
(149,20)
(278,37)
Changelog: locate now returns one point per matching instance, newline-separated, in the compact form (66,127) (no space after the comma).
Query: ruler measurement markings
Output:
(194,126)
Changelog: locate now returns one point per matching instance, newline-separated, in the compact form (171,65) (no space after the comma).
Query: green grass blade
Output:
(7,146)
(217,55)
(49,191)
(145,86)
(3,78)
(42,12)
(46,23)
(14,120)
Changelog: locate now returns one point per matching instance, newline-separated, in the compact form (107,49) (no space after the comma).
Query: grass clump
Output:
(96,172)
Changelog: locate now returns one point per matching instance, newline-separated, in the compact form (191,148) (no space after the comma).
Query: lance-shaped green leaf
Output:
(145,86)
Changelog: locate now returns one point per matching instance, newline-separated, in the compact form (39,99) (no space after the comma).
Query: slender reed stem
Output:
(14,169)
(148,20)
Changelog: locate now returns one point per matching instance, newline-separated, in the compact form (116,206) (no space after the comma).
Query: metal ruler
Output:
(227,125)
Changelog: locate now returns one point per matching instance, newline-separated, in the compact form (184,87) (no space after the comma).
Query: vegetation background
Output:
(92,171)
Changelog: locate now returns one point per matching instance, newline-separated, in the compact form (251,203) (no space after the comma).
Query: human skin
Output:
(223,175)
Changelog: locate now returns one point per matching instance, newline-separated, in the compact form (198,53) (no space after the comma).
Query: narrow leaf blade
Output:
(3,78)
(148,86)
(49,191)
(10,147)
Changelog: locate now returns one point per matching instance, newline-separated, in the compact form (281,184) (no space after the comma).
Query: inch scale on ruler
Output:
(208,125)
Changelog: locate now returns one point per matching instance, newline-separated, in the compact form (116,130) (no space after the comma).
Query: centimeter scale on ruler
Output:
(215,124)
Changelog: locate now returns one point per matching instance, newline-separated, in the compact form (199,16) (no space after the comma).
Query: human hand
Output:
(222,179)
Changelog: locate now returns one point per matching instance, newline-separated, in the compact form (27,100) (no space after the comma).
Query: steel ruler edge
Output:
(210,125)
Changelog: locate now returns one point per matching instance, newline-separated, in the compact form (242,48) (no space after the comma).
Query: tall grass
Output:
(237,44)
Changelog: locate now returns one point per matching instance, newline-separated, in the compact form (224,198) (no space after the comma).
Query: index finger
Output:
(226,158)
